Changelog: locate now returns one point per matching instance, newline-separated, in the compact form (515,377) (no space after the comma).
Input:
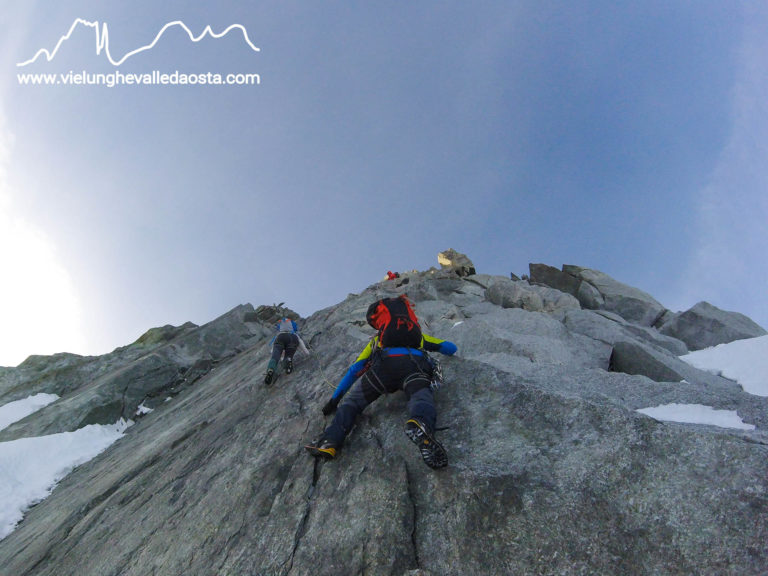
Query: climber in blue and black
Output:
(395,359)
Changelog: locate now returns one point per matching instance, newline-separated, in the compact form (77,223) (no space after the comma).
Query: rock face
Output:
(102,390)
(552,469)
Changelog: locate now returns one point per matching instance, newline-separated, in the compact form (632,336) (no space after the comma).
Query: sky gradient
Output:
(630,139)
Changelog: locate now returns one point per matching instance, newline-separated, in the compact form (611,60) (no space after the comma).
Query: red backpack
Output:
(396,322)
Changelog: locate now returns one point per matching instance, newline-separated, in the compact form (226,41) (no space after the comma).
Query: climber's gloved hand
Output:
(448,348)
(330,406)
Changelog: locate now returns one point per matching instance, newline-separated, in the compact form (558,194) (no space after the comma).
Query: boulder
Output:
(705,325)
(270,315)
(554,278)
(510,294)
(456,262)
(630,303)
(520,294)
(635,358)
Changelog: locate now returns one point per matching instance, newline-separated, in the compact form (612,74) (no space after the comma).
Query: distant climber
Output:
(392,275)
(395,359)
(286,342)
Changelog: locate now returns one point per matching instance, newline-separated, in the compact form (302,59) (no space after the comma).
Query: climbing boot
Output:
(268,377)
(322,448)
(288,365)
(431,450)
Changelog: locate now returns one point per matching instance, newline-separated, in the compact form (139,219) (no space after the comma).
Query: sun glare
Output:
(39,309)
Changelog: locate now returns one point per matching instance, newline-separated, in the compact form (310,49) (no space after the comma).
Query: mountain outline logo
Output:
(102,39)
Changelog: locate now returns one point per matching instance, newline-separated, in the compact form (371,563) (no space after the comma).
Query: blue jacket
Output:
(285,325)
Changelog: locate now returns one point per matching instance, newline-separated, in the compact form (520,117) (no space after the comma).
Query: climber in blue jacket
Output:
(286,341)
(395,359)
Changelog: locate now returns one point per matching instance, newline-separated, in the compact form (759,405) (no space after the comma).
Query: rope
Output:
(319,365)
(381,389)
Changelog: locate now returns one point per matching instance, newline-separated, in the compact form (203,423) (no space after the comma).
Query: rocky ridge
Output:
(552,469)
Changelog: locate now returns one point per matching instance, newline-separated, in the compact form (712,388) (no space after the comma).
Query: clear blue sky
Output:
(626,137)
